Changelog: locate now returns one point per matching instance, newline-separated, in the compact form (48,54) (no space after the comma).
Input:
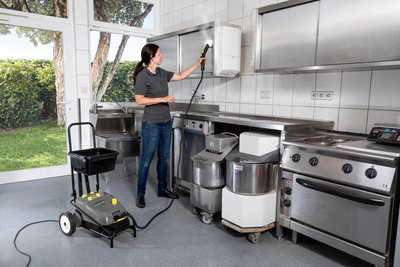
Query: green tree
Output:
(125,12)
(122,11)
(121,87)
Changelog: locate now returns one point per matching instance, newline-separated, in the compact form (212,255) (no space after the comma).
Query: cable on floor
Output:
(15,239)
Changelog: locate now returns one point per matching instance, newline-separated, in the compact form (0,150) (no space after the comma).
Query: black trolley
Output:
(99,212)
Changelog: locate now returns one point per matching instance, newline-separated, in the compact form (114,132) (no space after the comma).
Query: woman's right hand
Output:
(169,99)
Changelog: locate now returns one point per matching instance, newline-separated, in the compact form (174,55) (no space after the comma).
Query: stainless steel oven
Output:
(341,196)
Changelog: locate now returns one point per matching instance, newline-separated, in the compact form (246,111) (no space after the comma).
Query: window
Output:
(40,7)
(120,87)
(127,16)
(128,13)
(50,29)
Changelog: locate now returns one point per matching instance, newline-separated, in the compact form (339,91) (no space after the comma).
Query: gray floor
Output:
(176,238)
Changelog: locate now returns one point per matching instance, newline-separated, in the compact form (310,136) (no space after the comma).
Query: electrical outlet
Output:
(313,95)
(328,95)
(321,95)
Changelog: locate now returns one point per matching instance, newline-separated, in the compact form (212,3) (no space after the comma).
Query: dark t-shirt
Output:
(152,86)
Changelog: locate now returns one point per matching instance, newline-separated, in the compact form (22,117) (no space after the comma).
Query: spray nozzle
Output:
(203,54)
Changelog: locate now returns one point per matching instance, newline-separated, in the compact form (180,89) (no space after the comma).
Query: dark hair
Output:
(148,51)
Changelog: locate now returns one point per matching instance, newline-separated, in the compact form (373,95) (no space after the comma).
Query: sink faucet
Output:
(124,109)
(197,97)
(96,108)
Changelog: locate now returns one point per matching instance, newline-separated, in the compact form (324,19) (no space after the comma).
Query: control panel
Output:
(385,134)
(345,169)
(286,193)
(196,126)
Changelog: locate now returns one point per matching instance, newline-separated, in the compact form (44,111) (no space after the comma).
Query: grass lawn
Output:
(38,146)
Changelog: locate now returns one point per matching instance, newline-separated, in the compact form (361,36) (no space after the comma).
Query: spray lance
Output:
(209,44)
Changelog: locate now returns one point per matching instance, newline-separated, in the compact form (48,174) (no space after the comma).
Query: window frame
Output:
(125,29)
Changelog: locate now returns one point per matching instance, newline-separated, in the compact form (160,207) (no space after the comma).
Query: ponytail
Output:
(148,51)
(138,68)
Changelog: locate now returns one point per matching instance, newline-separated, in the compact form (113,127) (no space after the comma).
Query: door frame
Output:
(65,26)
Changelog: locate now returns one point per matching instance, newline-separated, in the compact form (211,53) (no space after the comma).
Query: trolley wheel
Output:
(196,211)
(78,218)
(207,218)
(67,223)
(253,237)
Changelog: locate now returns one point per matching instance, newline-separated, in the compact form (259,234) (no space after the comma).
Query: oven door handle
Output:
(335,192)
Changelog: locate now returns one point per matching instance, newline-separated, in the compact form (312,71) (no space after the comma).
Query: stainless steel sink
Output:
(111,113)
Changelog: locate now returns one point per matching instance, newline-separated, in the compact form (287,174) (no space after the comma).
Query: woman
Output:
(151,90)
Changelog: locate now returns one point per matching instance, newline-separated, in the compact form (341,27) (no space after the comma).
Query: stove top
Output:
(331,139)
(372,147)
(346,159)
(328,140)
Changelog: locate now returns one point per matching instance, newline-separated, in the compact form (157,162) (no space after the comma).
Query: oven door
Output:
(355,215)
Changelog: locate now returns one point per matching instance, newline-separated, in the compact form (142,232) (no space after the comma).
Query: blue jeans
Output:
(155,136)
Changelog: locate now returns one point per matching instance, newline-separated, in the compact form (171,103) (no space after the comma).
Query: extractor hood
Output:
(181,49)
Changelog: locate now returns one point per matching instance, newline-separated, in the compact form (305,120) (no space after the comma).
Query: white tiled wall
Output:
(360,98)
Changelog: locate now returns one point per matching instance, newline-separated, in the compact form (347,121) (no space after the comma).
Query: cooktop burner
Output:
(322,141)
(327,140)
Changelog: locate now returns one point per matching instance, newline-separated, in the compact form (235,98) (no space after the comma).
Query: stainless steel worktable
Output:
(212,114)
(264,122)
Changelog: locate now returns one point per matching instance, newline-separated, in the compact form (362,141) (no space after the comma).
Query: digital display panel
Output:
(385,135)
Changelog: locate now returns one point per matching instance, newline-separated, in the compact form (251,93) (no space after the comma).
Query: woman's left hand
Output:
(200,60)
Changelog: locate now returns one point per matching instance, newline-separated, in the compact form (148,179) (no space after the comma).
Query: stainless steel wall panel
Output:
(169,49)
(358,31)
(289,36)
(192,45)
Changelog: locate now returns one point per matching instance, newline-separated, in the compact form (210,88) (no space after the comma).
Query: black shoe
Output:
(140,202)
(167,194)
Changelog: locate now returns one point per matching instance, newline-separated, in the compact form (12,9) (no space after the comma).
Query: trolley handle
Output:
(80,123)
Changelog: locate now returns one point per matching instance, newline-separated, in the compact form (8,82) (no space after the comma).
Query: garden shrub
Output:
(19,94)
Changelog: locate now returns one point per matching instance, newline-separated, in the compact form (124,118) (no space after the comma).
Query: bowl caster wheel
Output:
(207,218)
(196,211)
(254,237)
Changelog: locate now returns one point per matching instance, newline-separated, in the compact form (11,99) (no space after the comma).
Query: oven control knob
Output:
(287,190)
(313,161)
(296,157)
(371,173)
(287,203)
(347,168)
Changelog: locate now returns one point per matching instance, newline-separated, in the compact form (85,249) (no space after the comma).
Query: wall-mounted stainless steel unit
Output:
(312,35)
(181,49)
(169,49)
(288,35)
(358,31)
